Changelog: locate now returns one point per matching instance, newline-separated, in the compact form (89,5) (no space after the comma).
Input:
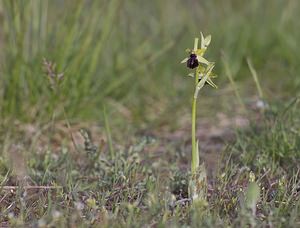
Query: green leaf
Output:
(200,84)
(197,154)
(252,195)
(198,184)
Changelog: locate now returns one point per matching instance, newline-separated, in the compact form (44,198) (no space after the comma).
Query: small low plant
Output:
(55,82)
(202,74)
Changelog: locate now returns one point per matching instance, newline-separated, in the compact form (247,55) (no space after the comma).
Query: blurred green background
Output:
(126,55)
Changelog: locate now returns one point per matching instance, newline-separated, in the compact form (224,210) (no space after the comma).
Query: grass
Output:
(128,167)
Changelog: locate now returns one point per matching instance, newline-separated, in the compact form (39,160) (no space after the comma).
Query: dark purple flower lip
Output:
(192,61)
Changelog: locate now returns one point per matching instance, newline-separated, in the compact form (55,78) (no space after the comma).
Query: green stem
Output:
(70,130)
(195,154)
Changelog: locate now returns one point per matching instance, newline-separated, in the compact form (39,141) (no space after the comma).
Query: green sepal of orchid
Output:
(199,52)
(209,68)
(205,41)
(191,75)
(184,60)
(201,83)
(211,83)
(202,60)
(213,75)
(188,50)
(201,70)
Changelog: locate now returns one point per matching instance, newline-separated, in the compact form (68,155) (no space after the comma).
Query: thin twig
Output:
(29,187)
(3,198)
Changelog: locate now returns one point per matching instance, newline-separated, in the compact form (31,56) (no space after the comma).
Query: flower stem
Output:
(194,152)
(195,155)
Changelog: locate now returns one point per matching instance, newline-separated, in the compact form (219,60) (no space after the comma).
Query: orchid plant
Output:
(202,73)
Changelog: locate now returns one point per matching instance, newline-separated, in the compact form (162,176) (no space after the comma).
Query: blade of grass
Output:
(108,133)
(232,82)
(254,75)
